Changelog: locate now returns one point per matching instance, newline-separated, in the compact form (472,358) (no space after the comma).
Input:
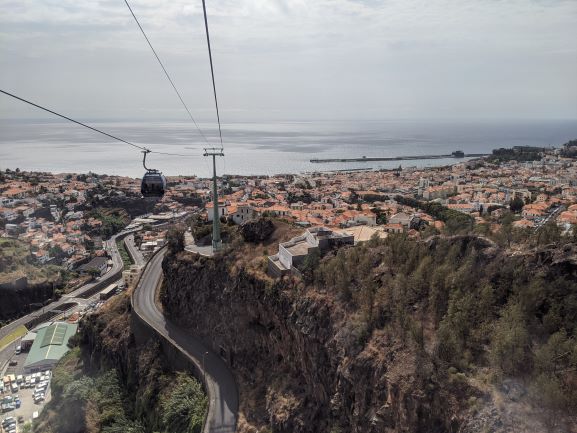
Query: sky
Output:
(292,60)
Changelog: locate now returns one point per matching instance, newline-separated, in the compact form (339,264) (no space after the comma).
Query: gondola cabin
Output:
(153,184)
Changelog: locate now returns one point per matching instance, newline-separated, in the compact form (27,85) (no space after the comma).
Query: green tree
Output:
(310,264)
(56,252)
(516,204)
(510,346)
(93,272)
(184,408)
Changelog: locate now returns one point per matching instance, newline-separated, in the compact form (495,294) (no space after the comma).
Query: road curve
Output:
(134,253)
(220,384)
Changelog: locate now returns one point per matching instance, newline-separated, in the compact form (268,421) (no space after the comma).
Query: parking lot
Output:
(12,364)
(20,404)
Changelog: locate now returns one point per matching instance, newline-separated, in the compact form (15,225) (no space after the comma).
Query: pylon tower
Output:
(216,241)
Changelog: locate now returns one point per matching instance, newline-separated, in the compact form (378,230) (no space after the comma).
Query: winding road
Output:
(220,383)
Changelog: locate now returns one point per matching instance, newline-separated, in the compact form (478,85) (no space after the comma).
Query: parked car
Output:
(7,421)
(7,407)
(12,363)
(18,350)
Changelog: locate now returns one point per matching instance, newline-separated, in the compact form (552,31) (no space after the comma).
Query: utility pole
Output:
(216,241)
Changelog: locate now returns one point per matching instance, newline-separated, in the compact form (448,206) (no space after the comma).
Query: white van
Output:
(14,387)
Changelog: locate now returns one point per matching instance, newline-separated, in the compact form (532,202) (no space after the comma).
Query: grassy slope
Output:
(14,263)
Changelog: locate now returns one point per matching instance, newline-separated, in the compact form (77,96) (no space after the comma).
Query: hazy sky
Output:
(287,60)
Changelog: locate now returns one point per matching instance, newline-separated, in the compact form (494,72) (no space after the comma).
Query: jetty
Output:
(455,154)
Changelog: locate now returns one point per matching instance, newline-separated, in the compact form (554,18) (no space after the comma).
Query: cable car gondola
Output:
(153,182)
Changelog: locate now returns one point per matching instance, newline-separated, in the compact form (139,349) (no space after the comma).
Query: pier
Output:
(455,154)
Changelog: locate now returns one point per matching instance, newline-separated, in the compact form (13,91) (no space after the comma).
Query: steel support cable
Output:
(166,72)
(211,70)
(87,126)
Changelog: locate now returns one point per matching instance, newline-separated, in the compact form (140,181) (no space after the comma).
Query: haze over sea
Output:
(261,148)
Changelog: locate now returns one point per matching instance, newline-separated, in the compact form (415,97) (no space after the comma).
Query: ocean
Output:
(260,148)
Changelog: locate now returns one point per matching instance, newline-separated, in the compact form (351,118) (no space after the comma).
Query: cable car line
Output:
(211,70)
(88,126)
(166,73)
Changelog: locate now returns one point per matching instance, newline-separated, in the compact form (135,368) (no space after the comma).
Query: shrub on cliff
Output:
(255,231)
(175,240)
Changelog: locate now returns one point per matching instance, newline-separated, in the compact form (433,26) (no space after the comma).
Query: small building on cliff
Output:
(293,253)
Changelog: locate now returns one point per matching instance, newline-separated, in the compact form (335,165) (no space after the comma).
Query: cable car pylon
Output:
(216,240)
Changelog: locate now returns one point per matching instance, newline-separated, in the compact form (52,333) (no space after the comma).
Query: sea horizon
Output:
(262,148)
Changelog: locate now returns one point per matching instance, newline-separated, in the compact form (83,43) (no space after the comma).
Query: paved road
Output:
(222,390)
(134,252)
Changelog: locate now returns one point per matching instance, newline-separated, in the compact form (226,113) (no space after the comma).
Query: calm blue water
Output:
(260,148)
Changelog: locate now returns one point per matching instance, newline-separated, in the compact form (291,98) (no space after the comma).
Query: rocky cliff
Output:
(389,337)
(305,364)
(20,297)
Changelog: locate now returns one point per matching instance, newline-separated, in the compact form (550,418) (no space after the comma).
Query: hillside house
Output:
(400,218)
(222,210)
(244,212)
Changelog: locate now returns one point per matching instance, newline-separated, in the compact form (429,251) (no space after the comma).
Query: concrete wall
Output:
(285,257)
(178,361)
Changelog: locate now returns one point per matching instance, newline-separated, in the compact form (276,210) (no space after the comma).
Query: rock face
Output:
(303,364)
(257,230)
(20,297)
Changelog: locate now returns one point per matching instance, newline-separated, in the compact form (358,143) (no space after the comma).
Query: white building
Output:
(400,218)
(244,212)
(222,210)
(293,253)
